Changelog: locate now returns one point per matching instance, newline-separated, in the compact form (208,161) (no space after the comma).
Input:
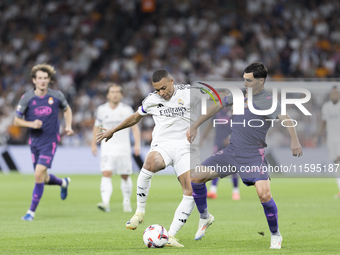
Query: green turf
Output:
(309,219)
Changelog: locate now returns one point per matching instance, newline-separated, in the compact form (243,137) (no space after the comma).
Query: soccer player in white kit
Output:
(115,154)
(172,110)
(330,114)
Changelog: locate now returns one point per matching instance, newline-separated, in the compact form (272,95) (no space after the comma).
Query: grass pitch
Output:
(309,219)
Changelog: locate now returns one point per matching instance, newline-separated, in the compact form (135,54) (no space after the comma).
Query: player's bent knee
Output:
(125,177)
(152,167)
(265,196)
(107,174)
(39,177)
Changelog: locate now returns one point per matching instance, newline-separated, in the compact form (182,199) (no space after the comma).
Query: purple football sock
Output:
(214,182)
(199,192)
(36,196)
(235,180)
(270,210)
(54,180)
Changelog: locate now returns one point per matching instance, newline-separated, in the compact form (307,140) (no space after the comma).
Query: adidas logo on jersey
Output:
(160,105)
(183,220)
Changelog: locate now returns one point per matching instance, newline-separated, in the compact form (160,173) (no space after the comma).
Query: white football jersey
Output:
(173,117)
(331,114)
(108,118)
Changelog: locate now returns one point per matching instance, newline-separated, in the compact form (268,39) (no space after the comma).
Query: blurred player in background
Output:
(171,108)
(331,119)
(222,136)
(116,153)
(38,110)
(247,145)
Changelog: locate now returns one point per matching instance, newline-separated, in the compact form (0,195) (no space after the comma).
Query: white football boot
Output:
(203,226)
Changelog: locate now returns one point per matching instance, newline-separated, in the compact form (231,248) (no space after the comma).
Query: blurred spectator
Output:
(93,42)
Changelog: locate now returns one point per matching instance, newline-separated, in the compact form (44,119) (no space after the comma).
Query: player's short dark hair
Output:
(112,84)
(159,75)
(258,70)
(44,68)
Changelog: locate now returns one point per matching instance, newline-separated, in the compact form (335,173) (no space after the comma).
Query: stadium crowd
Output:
(92,43)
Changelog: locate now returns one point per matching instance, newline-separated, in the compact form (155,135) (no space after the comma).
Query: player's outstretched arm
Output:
(36,124)
(68,120)
(130,121)
(211,111)
(295,144)
(136,136)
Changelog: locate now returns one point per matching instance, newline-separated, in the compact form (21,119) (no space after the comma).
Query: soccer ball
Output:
(155,236)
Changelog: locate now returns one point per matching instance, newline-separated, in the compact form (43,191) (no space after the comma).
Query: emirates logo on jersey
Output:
(173,112)
(180,102)
(50,100)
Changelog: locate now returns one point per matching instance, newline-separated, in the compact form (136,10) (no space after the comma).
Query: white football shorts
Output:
(121,165)
(181,157)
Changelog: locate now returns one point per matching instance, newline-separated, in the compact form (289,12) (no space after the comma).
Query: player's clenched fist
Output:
(36,124)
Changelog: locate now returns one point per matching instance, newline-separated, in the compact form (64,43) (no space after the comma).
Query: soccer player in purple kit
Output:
(221,140)
(38,110)
(246,148)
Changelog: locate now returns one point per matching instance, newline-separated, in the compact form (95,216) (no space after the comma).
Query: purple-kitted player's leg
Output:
(212,193)
(214,182)
(42,158)
(54,180)
(236,192)
(235,180)
(39,176)
(270,210)
(200,196)
(199,193)
(46,156)
(36,196)
(256,174)
(218,165)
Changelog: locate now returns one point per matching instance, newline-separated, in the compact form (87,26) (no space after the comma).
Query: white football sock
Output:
(63,183)
(236,190)
(182,213)
(338,182)
(31,213)
(213,188)
(126,187)
(106,189)
(143,187)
